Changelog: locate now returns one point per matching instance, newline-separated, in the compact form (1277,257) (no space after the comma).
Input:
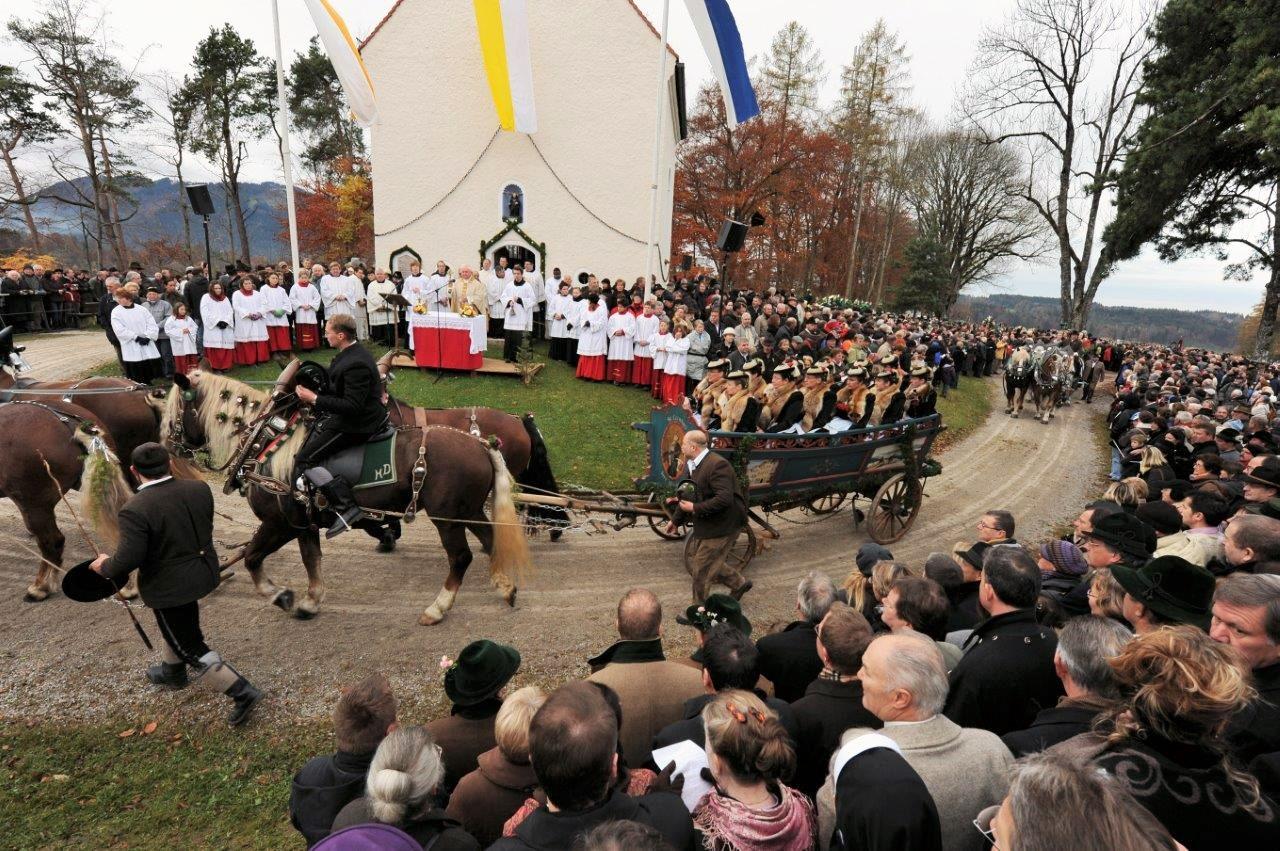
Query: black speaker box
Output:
(732,236)
(201,200)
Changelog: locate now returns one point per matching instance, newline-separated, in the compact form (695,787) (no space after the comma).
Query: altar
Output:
(448,340)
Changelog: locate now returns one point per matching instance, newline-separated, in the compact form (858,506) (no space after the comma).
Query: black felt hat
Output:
(1170,586)
(716,609)
(482,669)
(85,585)
(1125,534)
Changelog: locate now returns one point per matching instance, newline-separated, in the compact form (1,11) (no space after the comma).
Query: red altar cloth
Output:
(446,348)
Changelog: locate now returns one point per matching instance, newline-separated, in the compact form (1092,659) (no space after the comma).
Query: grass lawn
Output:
(587,426)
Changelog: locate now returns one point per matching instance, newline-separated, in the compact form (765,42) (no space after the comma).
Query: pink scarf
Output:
(726,824)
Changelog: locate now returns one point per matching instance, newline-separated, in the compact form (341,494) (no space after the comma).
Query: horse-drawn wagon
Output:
(880,470)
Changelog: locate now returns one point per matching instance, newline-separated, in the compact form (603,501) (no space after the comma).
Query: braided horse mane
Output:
(226,407)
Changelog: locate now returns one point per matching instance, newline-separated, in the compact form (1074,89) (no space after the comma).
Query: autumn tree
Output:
(1059,81)
(335,212)
(230,95)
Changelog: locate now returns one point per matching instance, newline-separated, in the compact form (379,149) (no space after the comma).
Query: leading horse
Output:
(212,412)
(1017,379)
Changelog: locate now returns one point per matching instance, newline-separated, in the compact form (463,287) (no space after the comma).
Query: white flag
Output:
(344,54)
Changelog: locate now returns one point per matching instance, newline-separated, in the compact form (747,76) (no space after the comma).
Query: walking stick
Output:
(119,598)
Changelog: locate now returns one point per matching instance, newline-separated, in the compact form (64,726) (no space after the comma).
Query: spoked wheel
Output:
(894,508)
(740,554)
(659,524)
(826,504)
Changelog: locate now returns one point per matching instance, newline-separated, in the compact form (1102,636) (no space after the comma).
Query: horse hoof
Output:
(284,600)
(304,614)
(35,596)
(425,619)
(510,597)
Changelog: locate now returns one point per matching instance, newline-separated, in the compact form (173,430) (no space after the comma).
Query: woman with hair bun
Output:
(750,755)
(403,779)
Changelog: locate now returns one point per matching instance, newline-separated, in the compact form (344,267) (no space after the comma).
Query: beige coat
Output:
(966,770)
(652,696)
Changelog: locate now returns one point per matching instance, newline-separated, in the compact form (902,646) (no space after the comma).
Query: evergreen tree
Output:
(320,113)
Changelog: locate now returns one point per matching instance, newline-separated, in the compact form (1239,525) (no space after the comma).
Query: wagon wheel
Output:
(659,524)
(894,508)
(659,527)
(828,503)
(740,554)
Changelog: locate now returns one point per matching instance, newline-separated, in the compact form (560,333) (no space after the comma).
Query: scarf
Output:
(727,824)
(813,399)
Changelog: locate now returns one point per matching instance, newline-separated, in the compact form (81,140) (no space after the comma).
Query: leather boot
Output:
(172,676)
(343,504)
(246,698)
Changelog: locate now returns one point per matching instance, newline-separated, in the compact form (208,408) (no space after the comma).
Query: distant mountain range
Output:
(1208,329)
(159,217)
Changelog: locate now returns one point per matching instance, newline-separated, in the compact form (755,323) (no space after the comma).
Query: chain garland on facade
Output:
(446,195)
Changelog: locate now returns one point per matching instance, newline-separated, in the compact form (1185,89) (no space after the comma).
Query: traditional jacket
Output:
(855,404)
(741,412)
(790,412)
(819,406)
(887,408)
(706,394)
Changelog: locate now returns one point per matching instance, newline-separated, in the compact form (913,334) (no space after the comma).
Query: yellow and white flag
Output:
(344,55)
(503,26)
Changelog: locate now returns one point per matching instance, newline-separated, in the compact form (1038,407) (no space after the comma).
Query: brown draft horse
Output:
(519,440)
(33,433)
(207,411)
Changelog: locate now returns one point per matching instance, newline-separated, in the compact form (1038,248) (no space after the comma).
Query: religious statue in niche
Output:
(513,202)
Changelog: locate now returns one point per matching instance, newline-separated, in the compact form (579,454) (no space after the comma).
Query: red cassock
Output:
(642,371)
(278,338)
(308,336)
(655,385)
(591,367)
(620,371)
(672,389)
(186,363)
(219,358)
(250,352)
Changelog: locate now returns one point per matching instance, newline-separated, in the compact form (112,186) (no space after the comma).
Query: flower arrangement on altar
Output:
(469,311)
(420,308)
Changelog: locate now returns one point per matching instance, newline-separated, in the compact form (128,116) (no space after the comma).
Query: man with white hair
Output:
(904,683)
(383,316)
(789,659)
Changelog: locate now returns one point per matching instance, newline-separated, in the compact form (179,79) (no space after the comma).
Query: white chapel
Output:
(447,184)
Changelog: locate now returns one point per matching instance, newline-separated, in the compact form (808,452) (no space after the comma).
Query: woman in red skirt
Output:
(277,309)
(674,369)
(219,328)
(251,325)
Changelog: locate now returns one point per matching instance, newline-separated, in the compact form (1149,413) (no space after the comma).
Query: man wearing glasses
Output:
(996,527)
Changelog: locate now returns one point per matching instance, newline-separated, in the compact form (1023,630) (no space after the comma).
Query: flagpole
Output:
(651,248)
(282,120)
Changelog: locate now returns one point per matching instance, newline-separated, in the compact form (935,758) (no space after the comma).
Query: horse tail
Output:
(539,477)
(103,487)
(510,555)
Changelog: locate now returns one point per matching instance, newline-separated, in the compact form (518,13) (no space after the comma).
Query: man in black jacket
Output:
(1006,676)
(718,512)
(365,714)
(1085,644)
(573,743)
(789,659)
(833,702)
(106,304)
(166,534)
(347,416)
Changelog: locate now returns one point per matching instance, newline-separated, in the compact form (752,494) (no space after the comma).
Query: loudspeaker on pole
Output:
(732,236)
(201,200)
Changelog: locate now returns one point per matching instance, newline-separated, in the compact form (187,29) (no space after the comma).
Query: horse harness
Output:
(72,423)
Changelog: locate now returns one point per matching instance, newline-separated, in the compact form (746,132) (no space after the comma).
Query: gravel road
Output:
(66,661)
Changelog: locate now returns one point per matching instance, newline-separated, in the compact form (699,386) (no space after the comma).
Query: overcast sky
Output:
(940,36)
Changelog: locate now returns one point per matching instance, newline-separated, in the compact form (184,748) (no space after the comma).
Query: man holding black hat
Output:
(166,534)
(718,511)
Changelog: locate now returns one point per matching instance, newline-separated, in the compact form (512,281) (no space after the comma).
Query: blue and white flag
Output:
(720,39)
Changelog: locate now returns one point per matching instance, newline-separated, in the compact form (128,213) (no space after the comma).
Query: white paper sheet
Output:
(690,760)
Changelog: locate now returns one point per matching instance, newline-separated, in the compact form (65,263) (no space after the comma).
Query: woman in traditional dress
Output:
(181,330)
(741,408)
(251,325)
(219,320)
(305,300)
(277,307)
(748,753)
(594,342)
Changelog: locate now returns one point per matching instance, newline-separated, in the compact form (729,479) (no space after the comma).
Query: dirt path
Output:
(61,660)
